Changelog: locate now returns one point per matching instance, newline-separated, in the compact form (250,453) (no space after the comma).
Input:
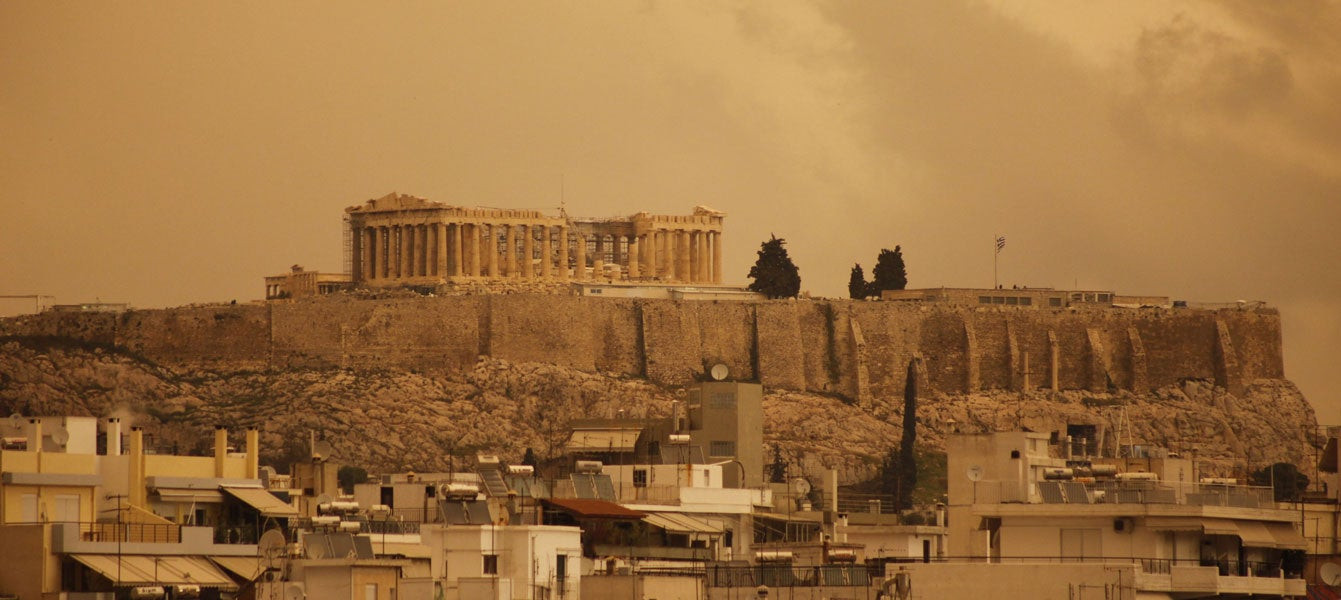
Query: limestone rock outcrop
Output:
(393,418)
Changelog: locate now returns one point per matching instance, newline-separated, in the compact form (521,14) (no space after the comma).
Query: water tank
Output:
(147,592)
(588,466)
(527,470)
(1137,476)
(1058,474)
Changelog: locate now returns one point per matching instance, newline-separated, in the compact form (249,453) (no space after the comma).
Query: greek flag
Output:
(1000,243)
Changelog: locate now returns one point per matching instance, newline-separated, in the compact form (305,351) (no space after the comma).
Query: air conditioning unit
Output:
(1124,524)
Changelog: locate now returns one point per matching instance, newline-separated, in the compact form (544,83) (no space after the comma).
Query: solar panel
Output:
(493,481)
(479,512)
(1051,492)
(363,547)
(584,486)
(605,489)
(1075,492)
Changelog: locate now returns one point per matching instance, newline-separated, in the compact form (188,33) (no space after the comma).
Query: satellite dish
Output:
(800,486)
(719,372)
(272,544)
(17,421)
(1330,573)
(294,591)
(61,436)
(974,473)
(322,449)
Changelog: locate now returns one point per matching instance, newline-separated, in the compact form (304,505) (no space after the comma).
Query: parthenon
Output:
(404,240)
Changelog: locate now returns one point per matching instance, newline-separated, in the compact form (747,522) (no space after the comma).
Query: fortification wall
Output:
(855,349)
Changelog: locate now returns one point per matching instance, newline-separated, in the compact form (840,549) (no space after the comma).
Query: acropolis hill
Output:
(456,372)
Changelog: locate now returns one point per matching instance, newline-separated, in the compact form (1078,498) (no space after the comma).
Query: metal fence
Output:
(786,575)
(1122,492)
(158,533)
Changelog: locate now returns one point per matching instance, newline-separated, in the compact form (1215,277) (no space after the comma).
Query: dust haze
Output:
(163,154)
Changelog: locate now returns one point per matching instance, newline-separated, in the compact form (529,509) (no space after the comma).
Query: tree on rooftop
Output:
(889,272)
(856,283)
(774,273)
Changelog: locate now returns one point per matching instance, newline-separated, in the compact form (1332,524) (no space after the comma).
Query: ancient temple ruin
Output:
(403,240)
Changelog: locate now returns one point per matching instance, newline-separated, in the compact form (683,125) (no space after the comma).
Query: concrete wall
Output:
(855,349)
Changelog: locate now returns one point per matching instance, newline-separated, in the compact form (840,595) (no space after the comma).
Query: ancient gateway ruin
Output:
(403,240)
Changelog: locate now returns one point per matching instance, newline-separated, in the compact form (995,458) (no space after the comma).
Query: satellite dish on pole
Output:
(61,436)
(17,421)
(974,473)
(719,372)
(322,449)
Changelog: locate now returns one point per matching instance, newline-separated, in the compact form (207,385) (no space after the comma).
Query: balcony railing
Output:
(1122,492)
(1151,566)
(155,533)
(786,575)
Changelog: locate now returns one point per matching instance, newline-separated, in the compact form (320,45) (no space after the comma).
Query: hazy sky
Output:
(167,153)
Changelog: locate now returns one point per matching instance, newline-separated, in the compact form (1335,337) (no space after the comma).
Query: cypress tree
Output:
(856,284)
(889,272)
(774,273)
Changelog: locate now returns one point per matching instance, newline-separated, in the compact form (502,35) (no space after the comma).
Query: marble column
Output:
(716,257)
(528,252)
(633,257)
(491,248)
(456,249)
(682,256)
(580,269)
(695,261)
(660,253)
(440,238)
(510,254)
(369,253)
(704,261)
(472,247)
(563,253)
(546,251)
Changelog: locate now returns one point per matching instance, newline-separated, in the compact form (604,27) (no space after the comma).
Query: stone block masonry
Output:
(855,349)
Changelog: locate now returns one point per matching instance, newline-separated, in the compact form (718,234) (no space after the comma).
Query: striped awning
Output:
(137,570)
(679,523)
(263,501)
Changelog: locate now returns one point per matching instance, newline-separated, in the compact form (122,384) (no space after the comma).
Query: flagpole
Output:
(996,253)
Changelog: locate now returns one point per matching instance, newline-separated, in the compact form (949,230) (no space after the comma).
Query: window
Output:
(388,495)
(722,448)
(1054,302)
(561,567)
(67,508)
(1012,300)
(370,591)
(28,511)
(490,564)
(984,299)
(640,478)
(1026,301)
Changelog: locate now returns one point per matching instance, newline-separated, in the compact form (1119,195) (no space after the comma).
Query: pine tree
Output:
(856,284)
(774,273)
(889,272)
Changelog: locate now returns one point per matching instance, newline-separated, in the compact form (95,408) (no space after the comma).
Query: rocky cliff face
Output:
(394,419)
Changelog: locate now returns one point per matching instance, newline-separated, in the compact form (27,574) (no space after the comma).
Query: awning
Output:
(603,440)
(1286,536)
(245,567)
(595,509)
(264,502)
(405,549)
(678,523)
(1254,534)
(188,495)
(137,570)
(1174,524)
(1328,462)
(1219,527)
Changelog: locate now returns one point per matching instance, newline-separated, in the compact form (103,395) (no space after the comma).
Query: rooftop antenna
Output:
(563,196)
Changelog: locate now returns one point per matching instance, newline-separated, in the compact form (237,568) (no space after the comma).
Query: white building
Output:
(510,562)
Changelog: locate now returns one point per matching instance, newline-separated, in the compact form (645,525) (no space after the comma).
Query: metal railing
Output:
(1151,566)
(1122,492)
(156,533)
(786,575)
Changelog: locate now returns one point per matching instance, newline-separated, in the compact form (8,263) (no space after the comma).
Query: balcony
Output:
(1122,492)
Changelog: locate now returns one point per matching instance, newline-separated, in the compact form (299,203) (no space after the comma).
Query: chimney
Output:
(113,437)
(253,453)
(34,435)
(135,471)
(220,449)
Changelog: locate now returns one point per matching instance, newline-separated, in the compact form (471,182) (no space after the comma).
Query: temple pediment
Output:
(395,201)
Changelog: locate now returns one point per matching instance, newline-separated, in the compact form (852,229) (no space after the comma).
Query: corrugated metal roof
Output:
(596,509)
